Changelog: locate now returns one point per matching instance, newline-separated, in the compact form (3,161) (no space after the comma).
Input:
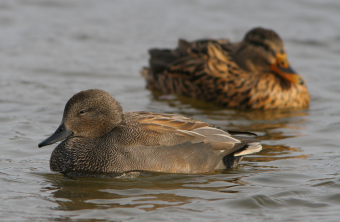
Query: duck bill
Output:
(283,69)
(60,134)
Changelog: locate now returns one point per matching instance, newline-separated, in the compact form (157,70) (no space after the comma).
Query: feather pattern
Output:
(237,75)
(104,139)
(178,129)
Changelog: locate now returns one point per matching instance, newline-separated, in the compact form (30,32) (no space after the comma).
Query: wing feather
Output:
(171,130)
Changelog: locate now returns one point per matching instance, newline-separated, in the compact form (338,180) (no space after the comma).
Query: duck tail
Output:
(246,147)
(250,149)
(160,59)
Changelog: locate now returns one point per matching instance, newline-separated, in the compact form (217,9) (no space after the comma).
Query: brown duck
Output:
(252,74)
(98,137)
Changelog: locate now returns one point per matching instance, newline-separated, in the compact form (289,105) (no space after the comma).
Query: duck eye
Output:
(82,111)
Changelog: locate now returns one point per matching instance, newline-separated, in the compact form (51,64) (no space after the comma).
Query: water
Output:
(49,50)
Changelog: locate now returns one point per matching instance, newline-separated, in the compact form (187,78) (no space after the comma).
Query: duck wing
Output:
(203,70)
(156,129)
(190,59)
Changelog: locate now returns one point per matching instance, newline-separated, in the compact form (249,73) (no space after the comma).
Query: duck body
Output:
(140,141)
(252,74)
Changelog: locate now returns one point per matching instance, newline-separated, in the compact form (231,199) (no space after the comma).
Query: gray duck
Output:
(98,137)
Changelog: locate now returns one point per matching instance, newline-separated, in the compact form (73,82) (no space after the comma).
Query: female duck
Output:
(252,74)
(98,137)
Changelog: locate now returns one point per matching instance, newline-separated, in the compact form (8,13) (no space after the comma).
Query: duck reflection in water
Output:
(152,189)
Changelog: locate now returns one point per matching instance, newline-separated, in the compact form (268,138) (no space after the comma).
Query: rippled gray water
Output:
(49,50)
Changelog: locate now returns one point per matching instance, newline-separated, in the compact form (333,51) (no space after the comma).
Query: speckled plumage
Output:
(252,74)
(139,140)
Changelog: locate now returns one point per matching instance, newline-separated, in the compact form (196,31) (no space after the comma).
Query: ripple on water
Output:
(49,50)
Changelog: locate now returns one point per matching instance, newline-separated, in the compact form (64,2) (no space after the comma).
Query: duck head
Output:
(262,50)
(91,113)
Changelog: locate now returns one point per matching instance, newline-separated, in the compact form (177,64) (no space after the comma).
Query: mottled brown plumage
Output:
(252,74)
(98,137)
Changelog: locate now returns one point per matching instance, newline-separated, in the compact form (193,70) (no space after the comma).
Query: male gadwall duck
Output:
(98,137)
(252,74)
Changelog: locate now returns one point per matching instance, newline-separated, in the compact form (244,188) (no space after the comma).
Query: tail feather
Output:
(232,159)
(161,58)
(251,148)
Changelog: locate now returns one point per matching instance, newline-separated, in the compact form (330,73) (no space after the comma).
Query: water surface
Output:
(50,50)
